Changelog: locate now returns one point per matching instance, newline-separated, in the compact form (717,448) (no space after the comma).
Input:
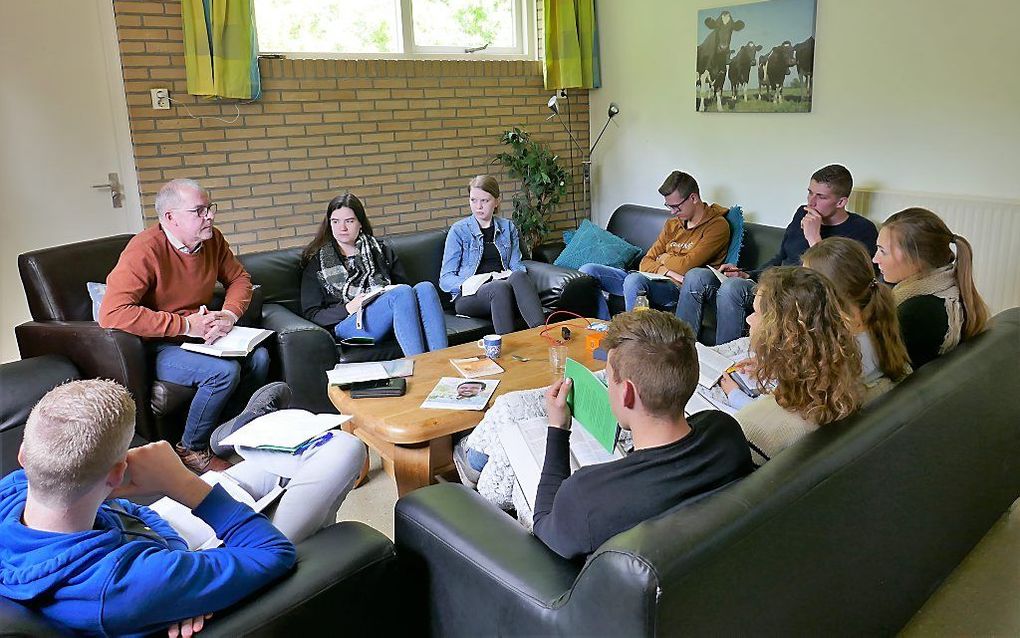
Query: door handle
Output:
(116,189)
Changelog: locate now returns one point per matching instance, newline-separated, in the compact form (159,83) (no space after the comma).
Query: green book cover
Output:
(589,404)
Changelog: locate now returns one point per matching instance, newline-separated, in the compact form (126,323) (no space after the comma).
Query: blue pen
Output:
(322,440)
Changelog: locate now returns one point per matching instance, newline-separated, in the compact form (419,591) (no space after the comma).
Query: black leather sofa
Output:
(848,532)
(641,225)
(345,576)
(303,351)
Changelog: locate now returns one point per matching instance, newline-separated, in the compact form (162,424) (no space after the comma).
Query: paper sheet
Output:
(284,429)
(589,403)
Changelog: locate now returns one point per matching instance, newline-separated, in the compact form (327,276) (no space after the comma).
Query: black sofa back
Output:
(847,532)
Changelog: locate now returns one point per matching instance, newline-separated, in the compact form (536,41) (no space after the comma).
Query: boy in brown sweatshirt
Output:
(698,234)
(159,290)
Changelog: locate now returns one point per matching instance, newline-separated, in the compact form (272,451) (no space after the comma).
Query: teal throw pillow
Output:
(735,218)
(568,235)
(592,245)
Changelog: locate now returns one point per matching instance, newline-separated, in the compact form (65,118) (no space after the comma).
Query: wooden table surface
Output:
(413,441)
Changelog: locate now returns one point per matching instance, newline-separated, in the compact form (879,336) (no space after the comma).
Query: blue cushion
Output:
(592,245)
(735,218)
(568,235)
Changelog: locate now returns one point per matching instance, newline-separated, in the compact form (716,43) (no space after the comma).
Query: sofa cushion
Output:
(591,244)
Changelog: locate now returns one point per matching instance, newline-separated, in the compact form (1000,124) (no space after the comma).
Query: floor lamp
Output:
(612,112)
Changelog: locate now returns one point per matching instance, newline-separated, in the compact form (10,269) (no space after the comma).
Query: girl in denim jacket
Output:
(485,244)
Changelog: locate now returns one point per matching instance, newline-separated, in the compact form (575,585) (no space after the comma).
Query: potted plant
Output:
(543,184)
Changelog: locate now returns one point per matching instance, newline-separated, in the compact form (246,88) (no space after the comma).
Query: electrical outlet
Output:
(160,99)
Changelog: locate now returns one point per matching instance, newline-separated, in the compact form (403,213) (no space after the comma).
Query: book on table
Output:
(345,374)
(239,342)
(473,367)
(474,282)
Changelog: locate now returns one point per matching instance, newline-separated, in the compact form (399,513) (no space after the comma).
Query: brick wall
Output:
(403,135)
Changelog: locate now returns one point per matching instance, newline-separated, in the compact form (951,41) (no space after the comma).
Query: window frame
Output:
(525,36)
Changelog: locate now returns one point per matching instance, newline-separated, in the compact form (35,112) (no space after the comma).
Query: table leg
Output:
(416,466)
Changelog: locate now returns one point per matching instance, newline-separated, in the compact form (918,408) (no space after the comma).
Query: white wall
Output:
(910,95)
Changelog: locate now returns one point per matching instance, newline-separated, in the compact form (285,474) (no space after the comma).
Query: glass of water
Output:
(558,360)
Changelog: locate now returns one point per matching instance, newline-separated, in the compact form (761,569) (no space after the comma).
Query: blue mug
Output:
(492,344)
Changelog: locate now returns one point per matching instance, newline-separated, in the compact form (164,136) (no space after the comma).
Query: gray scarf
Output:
(347,278)
(941,283)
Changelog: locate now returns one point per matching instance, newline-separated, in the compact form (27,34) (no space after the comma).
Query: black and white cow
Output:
(740,68)
(777,67)
(805,55)
(762,59)
(713,54)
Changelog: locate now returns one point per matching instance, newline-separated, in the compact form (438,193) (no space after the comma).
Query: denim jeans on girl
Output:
(406,312)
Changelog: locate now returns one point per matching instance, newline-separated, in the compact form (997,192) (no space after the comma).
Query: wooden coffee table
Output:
(416,443)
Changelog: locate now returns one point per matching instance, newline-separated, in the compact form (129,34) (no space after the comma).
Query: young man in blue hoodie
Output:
(103,566)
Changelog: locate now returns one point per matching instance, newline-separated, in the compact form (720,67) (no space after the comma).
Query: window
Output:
(475,29)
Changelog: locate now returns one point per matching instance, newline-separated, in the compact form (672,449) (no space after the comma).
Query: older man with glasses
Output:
(160,289)
(696,235)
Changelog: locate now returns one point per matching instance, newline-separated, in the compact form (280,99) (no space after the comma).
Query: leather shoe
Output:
(201,461)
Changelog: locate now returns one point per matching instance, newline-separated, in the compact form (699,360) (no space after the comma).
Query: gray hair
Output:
(74,436)
(170,194)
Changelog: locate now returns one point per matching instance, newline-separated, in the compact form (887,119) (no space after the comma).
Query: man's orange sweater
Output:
(154,285)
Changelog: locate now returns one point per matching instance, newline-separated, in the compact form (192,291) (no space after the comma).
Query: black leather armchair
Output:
(641,225)
(305,351)
(55,284)
(845,533)
(347,567)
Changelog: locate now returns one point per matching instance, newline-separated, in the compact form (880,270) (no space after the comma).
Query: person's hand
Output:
(811,224)
(156,470)
(675,276)
(354,305)
(745,366)
(199,323)
(187,627)
(727,383)
(731,270)
(221,324)
(556,403)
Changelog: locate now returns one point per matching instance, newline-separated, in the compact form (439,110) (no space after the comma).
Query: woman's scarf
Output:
(346,278)
(941,283)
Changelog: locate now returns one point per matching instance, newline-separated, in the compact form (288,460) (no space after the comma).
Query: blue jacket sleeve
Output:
(453,254)
(149,589)
(516,263)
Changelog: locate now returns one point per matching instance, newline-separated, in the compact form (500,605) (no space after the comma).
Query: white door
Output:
(63,129)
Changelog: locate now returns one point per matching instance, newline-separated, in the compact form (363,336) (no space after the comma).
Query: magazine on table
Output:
(524,443)
(239,342)
(474,367)
(474,282)
(452,393)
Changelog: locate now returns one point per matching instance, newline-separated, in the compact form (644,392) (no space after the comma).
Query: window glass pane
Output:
(464,23)
(318,26)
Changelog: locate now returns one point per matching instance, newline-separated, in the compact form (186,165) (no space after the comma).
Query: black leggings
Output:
(496,299)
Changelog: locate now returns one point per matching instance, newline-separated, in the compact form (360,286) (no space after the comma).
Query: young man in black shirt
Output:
(824,215)
(651,371)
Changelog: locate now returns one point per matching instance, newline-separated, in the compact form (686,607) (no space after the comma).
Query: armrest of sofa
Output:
(463,553)
(564,288)
(548,251)
(346,572)
(304,351)
(98,353)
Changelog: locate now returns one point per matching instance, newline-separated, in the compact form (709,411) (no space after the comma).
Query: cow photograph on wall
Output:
(756,58)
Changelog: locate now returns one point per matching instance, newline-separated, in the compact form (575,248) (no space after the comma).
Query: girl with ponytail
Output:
(937,302)
(869,305)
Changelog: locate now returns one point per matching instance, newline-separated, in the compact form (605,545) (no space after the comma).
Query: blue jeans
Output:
(216,380)
(734,302)
(616,281)
(406,312)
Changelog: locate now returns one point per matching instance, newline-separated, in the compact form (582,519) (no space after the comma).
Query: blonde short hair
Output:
(74,436)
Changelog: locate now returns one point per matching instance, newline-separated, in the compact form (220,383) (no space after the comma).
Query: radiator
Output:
(991,226)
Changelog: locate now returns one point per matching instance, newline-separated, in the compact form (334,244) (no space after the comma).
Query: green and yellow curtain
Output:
(571,45)
(220,48)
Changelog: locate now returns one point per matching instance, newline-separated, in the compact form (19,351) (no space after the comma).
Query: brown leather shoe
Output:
(201,461)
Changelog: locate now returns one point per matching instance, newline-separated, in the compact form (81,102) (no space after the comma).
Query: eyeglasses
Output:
(676,207)
(205,211)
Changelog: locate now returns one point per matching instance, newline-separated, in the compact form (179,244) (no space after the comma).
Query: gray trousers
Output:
(314,493)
